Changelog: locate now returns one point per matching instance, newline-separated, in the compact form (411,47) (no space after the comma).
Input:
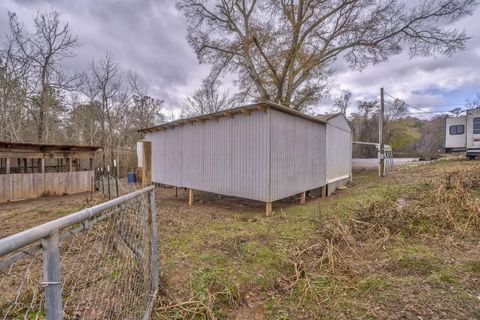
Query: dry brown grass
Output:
(349,251)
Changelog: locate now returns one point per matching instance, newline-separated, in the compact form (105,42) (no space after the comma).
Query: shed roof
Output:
(263,106)
(326,117)
(5,145)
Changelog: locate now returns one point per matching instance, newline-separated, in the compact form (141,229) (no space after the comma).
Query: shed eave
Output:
(260,106)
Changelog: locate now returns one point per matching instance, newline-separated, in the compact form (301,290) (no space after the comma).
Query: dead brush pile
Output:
(450,205)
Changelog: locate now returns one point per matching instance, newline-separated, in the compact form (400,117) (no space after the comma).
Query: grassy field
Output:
(404,247)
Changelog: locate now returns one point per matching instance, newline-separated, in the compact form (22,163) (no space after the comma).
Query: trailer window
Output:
(476,125)
(458,129)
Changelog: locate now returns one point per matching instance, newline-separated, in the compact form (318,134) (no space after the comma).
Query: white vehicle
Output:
(463,134)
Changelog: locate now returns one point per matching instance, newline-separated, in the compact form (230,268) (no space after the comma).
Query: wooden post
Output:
(92,164)
(69,164)
(268,209)
(303,197)
(42,165)
(176,192)
(191,198)
(7,165)
(147,163)
(92,186)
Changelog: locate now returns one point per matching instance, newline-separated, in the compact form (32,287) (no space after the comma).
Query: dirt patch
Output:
(17,216)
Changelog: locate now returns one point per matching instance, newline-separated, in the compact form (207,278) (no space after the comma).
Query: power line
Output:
(430,112)
(404,102)
(422,111)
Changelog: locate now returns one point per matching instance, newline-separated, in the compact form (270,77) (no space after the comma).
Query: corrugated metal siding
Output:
(250,155)
(218,169)
(340,122)
(191,138)
(247,157)
(339,149)
(297,155)
(227,156)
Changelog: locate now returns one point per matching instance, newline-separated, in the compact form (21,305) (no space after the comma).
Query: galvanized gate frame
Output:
(49,235)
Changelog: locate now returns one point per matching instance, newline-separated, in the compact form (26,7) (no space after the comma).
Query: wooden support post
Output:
(303,197)
(42,165)
(69,165)
(146,163)
(191,199)
(176,192)
(7,165)
(92,164)
(268,209)
(323,191)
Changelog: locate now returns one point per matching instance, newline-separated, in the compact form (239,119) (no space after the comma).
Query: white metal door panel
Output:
(473,129)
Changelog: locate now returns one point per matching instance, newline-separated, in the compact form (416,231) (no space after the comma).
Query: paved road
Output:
(373,163)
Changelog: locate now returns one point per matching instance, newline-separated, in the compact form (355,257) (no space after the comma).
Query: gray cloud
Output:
(149,37)
(144,36)
(427,82)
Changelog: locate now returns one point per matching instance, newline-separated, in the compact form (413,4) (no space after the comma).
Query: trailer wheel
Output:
(471,157)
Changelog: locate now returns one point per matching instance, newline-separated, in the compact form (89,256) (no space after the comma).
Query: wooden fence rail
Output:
(33,185)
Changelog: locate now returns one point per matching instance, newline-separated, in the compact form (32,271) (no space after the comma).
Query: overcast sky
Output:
(149,37)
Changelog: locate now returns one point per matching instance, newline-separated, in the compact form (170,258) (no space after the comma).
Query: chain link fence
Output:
(366,155)
(111,187)
(98,263)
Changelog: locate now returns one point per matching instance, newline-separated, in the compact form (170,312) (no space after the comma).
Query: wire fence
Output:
(371,151)
(111,187)
(98,263)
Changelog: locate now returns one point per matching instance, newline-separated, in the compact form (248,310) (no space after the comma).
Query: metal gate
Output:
(98,263)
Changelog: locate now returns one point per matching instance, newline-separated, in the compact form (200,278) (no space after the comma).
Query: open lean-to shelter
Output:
(30,170)
(263,152)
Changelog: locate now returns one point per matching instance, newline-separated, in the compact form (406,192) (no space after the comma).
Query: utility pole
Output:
(381,151)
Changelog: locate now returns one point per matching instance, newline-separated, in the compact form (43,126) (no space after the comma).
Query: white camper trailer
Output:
(463,134)
(473,133)
(455,134)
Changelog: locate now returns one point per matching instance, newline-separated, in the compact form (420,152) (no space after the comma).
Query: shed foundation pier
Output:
(191,198)
(303,197)
(268,209)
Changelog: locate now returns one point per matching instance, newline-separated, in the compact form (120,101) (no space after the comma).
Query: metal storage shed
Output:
(262,152)
(339,141)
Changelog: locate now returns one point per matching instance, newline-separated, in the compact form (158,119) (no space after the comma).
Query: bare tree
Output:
(13,116)
(144,110)
(209,98)
(104,89)
(83,122)
(456,111)
(342,102)
(282,50)
(473,103)
(42,53)
(365,122)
